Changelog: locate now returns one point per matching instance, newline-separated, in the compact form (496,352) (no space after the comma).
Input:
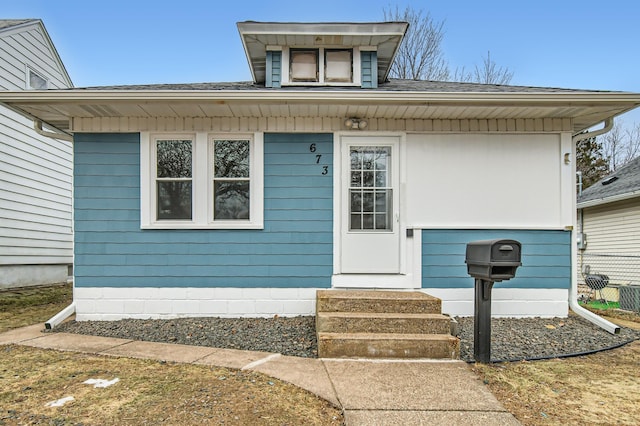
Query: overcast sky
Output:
(574,44)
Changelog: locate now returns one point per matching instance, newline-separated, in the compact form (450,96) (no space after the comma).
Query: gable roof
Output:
(620,185)
(10,25)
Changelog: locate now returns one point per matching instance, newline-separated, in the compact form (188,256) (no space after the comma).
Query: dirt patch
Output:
(148,392)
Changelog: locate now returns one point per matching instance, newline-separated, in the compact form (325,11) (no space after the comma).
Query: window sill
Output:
(191,225)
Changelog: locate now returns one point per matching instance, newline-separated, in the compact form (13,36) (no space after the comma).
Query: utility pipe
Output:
(60,316)
(573,291)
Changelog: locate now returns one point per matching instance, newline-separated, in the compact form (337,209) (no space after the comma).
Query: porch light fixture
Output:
(355,123)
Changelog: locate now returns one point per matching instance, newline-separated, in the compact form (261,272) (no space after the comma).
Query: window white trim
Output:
(202,191)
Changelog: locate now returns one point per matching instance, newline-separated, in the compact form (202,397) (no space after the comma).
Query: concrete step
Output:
(377,301)
(386,345)
(367,322)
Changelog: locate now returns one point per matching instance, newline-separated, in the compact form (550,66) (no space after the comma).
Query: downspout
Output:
(573,292)
(60,316)
(71,309)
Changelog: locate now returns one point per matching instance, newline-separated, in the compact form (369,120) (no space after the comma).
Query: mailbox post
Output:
(488,261)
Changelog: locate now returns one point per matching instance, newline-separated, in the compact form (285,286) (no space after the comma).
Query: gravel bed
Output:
(511,339)
(534,338)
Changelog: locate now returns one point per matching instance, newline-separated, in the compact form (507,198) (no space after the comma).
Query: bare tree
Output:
(487,73)
(420,55)
(621,144)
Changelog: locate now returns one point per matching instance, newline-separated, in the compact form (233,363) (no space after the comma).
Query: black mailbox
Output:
(493,260)
(488,261)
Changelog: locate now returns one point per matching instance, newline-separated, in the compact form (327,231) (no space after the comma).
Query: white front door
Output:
(370,235)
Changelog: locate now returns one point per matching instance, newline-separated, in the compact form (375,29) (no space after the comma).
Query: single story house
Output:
(36,233)
(609,233)
(244,199)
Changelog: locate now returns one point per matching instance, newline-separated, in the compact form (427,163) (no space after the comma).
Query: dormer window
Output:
(320,66)
(304,65)
(341,54)
(338,65)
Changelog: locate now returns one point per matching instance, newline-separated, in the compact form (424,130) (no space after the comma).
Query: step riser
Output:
(395,348)
(383,325)
(374,306)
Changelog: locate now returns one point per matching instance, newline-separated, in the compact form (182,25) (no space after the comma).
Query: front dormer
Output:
(331,54)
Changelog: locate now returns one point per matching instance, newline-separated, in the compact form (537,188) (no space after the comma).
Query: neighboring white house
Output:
(36,234)
(609,225)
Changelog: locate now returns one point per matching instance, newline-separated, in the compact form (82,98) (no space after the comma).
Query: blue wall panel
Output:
(295,248)
(546,258)
(369,69)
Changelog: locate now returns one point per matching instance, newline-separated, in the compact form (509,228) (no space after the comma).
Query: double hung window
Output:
(201,181)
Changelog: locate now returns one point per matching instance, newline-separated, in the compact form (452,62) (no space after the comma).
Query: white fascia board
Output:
(70,96)
(608,200)
(338,28)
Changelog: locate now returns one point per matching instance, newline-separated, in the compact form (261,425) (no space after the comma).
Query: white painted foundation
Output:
(108,304)
(506,302)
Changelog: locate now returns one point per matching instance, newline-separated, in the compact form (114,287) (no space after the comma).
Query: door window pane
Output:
(370,193)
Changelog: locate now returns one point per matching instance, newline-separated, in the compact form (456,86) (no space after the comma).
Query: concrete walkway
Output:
(370,392)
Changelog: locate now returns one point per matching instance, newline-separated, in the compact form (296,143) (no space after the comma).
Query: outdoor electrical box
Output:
(489,261)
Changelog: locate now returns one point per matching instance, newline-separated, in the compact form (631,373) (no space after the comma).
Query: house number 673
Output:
(313,148)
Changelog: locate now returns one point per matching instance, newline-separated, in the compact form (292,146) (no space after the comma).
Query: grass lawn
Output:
(148,392)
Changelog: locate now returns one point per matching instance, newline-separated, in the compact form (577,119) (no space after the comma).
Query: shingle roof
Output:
(393,85)
(625,180)
(8,23)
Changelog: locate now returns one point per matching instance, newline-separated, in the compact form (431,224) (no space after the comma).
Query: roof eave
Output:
(63,96)
(608,200)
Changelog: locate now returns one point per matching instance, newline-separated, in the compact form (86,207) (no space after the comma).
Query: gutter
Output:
(37,126)
(58,318)
(422,97)
(573,291)
(608,125)
(612,199)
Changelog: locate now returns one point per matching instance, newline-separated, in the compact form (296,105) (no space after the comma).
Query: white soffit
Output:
(58,107)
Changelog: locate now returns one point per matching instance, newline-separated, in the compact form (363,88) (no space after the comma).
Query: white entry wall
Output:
(462,181)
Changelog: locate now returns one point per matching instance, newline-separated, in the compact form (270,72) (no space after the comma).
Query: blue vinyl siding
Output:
(273,75)
(295,248)
(546,258)
(369,67)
